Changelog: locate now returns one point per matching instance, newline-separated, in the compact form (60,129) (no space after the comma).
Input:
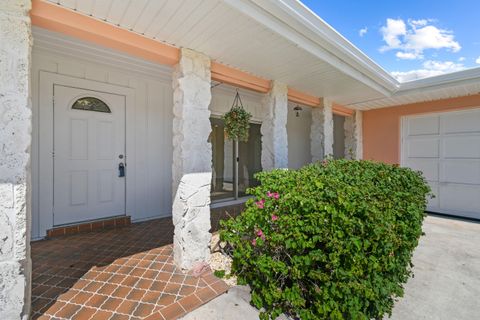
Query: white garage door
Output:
(446,148)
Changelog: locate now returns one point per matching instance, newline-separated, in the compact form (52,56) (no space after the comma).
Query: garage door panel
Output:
(433,204)
(461,122)
(423,148)
(445,147)
(461,171)
(428,167)
(423,126)
(457,147)
(459,197)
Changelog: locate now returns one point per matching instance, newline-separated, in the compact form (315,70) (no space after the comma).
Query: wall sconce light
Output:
(297,110)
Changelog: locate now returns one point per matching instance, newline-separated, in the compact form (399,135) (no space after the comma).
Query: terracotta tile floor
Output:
(126,273)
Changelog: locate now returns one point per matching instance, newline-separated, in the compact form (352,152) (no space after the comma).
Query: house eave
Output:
(300,25)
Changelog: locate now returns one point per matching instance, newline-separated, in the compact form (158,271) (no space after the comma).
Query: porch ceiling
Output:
(230,36)
(279,40)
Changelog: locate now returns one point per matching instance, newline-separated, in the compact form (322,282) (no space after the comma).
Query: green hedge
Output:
(332,240)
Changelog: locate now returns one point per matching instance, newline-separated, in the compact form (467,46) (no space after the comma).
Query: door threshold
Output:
(89,226)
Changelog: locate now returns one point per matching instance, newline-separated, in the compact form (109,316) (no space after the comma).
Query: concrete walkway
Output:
(447,273)
(446,283)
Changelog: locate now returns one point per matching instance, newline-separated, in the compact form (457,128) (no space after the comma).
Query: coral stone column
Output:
(316,135)
(15,138)
(327,128)
(274,128)
(321,132)
(353,136)
(192,160)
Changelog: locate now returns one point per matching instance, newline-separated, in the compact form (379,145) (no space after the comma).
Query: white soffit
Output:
(274,39)
(452,85)
(232,37)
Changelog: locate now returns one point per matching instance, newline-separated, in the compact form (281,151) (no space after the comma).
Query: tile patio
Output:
(125,273)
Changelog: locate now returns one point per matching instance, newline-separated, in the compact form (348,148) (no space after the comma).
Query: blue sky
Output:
(410,39)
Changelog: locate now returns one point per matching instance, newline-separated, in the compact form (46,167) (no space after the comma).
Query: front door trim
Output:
(46,136)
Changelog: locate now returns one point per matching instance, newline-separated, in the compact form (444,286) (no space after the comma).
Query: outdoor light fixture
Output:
(297,109)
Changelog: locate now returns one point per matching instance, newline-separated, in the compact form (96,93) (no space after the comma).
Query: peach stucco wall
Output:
(381,127)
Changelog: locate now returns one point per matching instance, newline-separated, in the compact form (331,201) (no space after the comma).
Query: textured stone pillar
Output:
(192,159)
(316,135)
(274,128)
(353,136)
(15,138)
(327,127)
(321,132)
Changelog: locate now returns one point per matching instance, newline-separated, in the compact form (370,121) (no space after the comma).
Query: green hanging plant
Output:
(237,121)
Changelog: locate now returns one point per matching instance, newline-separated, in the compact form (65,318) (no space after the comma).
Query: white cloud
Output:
(430,37)
(412,39)
(430,68)
(392,32)
(419,23)
(461,59)
(363,31)
(478,60)
(445,66)
(408,55)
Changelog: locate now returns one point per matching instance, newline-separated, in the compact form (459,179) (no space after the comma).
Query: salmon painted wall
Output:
(381,127)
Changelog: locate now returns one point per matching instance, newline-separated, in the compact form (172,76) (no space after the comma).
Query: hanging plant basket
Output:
(237,121)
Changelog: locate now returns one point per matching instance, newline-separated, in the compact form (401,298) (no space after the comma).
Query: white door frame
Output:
(46,134)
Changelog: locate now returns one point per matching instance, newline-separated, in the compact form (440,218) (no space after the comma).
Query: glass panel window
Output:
(227,183)
(222,161)
(249,159)
(91,104)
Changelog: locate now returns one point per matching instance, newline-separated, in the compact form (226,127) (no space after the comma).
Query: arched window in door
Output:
(91,104)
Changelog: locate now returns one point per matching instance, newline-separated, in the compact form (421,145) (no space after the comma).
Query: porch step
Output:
(111,223)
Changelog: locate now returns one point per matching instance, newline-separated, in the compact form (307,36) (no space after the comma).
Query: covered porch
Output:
(155,147)
(145,150)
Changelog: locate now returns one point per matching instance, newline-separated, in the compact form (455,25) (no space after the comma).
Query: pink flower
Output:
(260,204)
(260,234)
(274,195)
(254,242)
(274,217)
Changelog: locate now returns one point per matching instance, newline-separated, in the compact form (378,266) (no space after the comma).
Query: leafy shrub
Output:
(333,240)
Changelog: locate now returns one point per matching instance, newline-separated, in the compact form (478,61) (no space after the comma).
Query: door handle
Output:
(121,170)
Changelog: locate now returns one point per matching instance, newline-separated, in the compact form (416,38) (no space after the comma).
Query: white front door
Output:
(89,149)
(446,148)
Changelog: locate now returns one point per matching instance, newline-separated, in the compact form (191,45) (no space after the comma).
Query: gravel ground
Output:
(219,261)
